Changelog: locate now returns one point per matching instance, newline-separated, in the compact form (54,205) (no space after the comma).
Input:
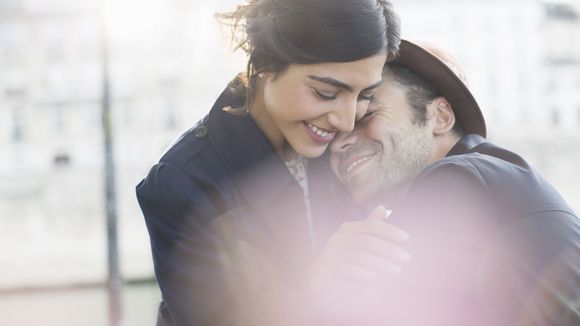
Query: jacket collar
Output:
(466,144)
(255,167)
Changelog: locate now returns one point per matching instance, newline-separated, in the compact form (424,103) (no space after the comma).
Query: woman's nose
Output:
(344,117)
(343,141)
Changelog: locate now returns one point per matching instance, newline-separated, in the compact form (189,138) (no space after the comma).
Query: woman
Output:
(313,66)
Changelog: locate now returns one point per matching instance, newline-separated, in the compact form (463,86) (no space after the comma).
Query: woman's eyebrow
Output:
(338,83)
(331,81)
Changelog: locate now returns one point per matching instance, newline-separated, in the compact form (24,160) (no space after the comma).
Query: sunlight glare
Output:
(135,19)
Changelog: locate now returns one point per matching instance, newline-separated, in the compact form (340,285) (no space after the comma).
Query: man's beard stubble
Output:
(387,180)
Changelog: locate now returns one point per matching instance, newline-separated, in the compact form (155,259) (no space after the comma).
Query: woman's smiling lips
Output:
(319,135)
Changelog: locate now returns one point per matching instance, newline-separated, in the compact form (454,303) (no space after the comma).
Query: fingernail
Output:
(388,213)
(403,235)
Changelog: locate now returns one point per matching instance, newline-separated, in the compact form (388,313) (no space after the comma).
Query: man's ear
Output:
(442,114)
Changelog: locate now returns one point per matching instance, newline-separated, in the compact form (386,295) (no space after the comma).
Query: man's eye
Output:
(366,116)
(366,97)
(325,96)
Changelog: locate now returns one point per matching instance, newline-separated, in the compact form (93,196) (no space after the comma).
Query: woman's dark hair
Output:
(277,33)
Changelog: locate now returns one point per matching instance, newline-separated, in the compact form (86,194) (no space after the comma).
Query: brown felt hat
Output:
(441,70)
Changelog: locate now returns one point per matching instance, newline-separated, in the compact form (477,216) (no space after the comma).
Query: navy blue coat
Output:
(225,166)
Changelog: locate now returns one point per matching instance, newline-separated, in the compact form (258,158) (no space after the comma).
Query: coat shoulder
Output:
(187,167)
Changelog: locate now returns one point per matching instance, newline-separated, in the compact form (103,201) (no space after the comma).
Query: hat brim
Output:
(434,71)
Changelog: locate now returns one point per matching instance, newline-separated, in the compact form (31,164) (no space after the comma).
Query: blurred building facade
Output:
(51,175)
(522,58)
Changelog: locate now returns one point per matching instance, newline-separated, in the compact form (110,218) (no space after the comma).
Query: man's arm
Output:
(531,274)
(494,268)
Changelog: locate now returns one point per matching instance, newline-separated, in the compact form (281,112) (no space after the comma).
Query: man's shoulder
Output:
(506,178)
(457,168)
(486,162)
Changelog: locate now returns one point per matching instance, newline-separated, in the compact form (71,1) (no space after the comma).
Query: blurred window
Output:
(561,11)
(555,117)
(12,42)
(18,125)
(9,5)
(54,40)
(125,107)
(58,117)
(170,111)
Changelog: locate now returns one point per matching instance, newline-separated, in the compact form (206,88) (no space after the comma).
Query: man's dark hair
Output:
(419,92)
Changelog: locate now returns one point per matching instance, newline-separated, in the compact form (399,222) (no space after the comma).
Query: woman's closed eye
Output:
(328,95)
(325,95)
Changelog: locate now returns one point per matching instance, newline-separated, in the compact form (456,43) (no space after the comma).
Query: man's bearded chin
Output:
(365,197)
(368,194)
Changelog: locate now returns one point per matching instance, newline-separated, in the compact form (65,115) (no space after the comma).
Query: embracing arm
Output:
(531,274)
(523,270)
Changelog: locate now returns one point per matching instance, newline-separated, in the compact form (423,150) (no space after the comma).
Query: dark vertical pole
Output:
(114,280)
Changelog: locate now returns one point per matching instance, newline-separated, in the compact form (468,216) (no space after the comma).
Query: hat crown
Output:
(440,69)
(449,60)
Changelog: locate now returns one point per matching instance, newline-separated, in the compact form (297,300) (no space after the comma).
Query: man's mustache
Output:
(358,149)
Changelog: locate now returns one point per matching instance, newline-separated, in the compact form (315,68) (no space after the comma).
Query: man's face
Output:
(385,150)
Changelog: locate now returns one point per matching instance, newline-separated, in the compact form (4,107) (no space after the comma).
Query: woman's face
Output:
(306,105)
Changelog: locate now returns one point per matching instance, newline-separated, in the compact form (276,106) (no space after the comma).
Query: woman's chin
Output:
(310,151)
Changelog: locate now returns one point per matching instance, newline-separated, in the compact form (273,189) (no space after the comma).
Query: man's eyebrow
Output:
(373,86)
(338,83)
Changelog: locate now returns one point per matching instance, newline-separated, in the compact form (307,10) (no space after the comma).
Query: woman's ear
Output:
(267,76)
(442,114)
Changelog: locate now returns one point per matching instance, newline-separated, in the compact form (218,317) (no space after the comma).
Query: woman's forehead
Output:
(360,73)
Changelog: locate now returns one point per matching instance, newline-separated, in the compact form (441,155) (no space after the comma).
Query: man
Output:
(492,243)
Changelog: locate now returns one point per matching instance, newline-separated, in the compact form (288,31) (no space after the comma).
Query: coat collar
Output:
(255,167)
(466,144)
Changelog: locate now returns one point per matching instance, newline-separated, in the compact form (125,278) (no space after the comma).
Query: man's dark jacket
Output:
(492,244)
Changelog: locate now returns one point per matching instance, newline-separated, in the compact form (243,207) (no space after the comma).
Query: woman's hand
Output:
(347,276)
(363,249)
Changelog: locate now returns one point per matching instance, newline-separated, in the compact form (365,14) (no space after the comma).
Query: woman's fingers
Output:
(374,227)
(370,244)
(370,262)
(364,249)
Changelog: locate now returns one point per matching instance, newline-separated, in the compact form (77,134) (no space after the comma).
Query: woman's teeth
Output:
(319,132)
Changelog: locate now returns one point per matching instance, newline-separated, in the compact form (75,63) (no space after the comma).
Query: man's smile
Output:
(353,164)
